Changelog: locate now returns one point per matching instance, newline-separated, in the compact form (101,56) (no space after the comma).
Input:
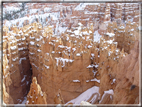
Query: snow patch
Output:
(23,78)
(14,59)
(47,67)
(107,92)
(47,9)
(78,54)
(76,81)
(13,47)
(97,36)
(82,6)
(113,81)
(110,34)
(24,58)
(85,95)
(32,43)
(90,66)
(95,80)
(63,60)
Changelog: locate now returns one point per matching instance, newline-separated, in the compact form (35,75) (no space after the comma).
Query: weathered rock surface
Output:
(15,70)
(65,65)
(128,85)
(35,95)
(6,97)
(58,99)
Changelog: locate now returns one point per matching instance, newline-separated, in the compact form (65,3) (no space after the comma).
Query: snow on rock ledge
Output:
(86,95)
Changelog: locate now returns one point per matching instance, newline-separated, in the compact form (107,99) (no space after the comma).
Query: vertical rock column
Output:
(107,13)
(109,57)
(38,55)
(35,95)
(123,12)
(13,88)
(118,13)
(136,12)
(102,12)
(25,68)
(6,73)
(32,51)
(113,11)
(128,11)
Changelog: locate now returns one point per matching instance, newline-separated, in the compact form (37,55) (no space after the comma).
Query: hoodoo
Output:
(72,53)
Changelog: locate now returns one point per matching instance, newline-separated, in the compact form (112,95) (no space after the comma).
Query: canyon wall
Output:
(71,63)
(16,67)
(54,69)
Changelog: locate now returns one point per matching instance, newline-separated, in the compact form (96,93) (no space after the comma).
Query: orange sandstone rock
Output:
(35,95)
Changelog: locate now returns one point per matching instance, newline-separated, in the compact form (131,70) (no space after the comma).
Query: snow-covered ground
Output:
(82,6)
(85,95)
(24,101)
(22,104)
(42,20)
(10,9)
(91,95)
(32,18)
(107,92)
(97,36)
